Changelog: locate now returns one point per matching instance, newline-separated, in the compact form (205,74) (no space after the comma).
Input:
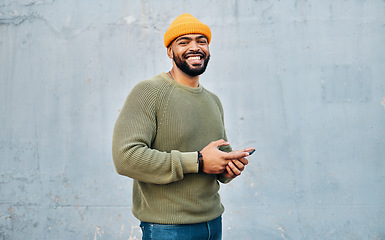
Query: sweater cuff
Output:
(189,162)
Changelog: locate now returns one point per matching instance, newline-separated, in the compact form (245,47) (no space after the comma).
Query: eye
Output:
(183,43)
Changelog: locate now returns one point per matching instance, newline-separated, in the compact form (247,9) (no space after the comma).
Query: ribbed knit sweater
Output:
(156,137)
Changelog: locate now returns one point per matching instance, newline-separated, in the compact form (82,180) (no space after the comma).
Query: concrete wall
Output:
(302,81)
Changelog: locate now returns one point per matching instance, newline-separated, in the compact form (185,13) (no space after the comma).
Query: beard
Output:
(183,65)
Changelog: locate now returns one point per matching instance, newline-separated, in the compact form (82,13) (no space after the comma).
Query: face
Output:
(190,53)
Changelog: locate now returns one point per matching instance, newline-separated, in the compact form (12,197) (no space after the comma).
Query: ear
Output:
(169,52)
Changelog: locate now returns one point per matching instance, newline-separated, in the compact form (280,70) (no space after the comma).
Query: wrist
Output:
(200,162)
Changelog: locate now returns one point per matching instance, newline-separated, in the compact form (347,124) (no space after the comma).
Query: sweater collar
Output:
(197,90)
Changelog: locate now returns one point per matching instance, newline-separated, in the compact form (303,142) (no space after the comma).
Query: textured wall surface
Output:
(302,81)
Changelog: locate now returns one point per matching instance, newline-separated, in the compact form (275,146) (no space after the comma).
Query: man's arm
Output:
(134,131)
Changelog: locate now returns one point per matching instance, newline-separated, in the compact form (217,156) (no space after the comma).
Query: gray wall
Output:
(302,81)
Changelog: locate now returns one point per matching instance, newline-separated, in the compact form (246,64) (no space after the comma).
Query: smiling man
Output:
(170,139)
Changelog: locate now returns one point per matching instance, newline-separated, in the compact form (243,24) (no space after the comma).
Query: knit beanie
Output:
(185,24)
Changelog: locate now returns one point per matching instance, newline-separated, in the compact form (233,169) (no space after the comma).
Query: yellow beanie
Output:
(185,24)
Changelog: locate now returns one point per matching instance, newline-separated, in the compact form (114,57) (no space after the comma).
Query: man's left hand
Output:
(235,167)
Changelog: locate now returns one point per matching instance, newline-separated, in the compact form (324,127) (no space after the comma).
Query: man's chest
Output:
(189,119)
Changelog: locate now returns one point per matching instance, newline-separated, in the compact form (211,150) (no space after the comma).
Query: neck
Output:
(179,76)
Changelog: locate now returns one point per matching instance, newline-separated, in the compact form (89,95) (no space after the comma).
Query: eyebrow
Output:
(190,38)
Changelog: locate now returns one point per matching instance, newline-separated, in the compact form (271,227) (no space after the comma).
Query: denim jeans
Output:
(211,230)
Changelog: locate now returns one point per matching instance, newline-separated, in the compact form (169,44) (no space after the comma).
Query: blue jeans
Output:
(211,230)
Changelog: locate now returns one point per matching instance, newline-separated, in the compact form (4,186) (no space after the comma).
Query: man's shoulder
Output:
(155,81)
(153,84)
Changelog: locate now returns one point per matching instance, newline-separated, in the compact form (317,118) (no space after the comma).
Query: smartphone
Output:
(251,152)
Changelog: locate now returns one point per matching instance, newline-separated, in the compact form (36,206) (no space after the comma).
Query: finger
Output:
(219,143)
(244,161)
(234,169)
(231,174)
(239,164)
(247,149)
(237,155)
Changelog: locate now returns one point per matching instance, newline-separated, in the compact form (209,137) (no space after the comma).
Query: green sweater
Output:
(156,138)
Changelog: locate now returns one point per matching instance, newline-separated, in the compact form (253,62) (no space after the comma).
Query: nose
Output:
(194,46)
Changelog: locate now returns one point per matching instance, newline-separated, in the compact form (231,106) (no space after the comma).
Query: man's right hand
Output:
(215,160)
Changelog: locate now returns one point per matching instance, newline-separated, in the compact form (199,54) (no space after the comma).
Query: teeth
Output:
(194,58)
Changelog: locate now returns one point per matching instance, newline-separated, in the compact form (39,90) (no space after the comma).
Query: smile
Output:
(194,58)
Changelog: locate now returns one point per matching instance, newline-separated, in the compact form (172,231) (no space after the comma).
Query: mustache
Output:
(198,52)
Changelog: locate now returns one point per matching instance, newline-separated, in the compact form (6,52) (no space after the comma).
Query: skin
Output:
(182,49)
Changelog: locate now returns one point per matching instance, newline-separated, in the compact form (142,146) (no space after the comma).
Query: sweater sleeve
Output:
(134,132)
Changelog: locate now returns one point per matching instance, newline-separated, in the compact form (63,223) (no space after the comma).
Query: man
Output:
(170,138)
